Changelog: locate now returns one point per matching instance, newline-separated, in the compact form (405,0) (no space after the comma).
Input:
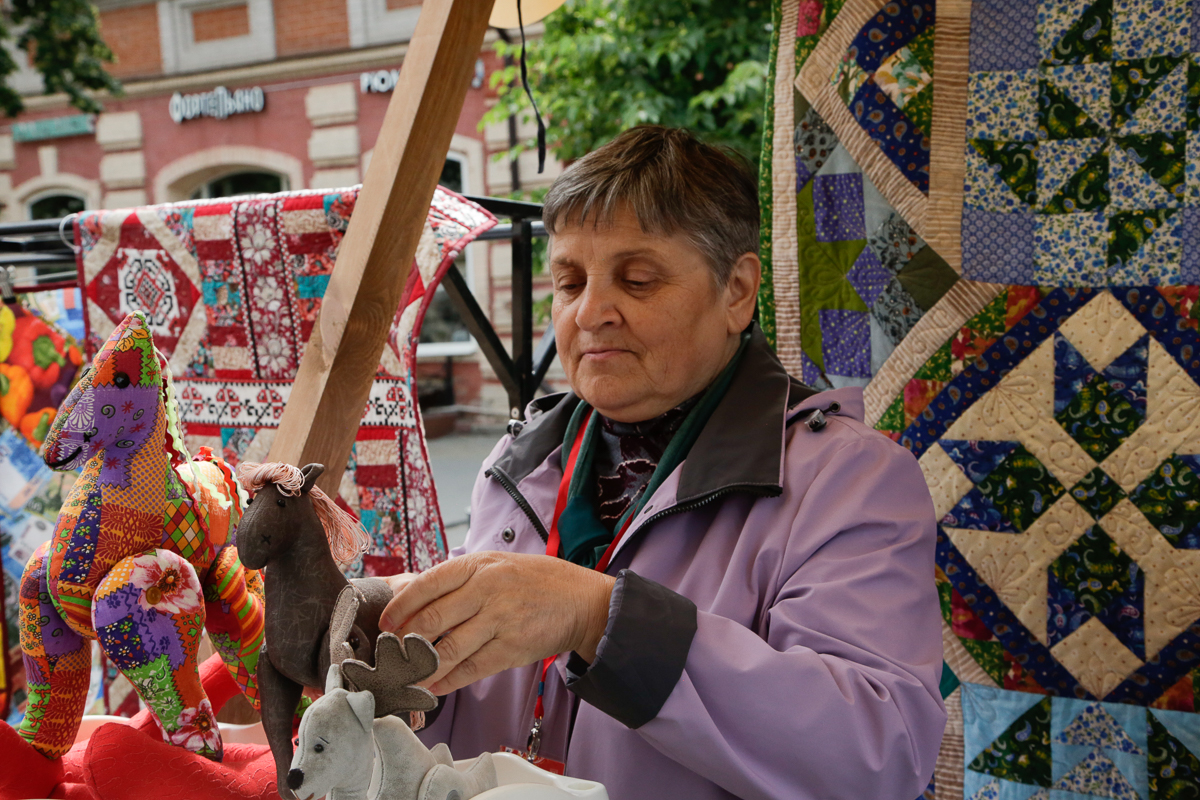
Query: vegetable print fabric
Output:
(1082,121)
(39,363)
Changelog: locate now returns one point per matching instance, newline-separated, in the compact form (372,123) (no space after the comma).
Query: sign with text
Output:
(220,103)
(53,128)
(380,80)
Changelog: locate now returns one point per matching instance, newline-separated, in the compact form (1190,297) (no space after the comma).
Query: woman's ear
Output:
(311,472)
(741,291)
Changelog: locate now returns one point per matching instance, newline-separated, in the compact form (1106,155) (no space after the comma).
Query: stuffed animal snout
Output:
(295,779)
(336,745)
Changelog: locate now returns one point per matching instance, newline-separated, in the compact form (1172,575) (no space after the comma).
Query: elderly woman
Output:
(691,576)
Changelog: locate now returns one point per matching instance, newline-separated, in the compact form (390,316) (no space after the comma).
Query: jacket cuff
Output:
(641,656)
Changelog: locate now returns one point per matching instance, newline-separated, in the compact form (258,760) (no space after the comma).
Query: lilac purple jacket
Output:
(774,630)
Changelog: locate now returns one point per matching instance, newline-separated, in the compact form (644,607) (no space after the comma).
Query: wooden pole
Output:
(342,356)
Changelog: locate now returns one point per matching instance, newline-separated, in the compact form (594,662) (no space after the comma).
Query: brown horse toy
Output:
(297,535)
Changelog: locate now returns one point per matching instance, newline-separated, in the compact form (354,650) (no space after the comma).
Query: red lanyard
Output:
(553,542)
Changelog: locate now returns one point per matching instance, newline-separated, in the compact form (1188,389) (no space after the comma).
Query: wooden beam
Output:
(342,356)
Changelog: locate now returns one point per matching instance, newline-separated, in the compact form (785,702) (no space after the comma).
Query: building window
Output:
(200,35)
(381,21)
(56,206)
(238,184)
(443,332)
(222,22)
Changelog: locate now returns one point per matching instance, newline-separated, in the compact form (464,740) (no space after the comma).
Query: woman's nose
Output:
(596,307)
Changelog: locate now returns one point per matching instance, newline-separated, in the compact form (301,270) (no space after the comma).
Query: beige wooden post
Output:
(335,376)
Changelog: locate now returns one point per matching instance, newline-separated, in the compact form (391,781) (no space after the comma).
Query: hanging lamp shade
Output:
(504,12)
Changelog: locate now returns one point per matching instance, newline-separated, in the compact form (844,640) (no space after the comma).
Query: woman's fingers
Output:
(444,614)
(398,582)
(499,610)
(460,645)
(423,589)
(492,657)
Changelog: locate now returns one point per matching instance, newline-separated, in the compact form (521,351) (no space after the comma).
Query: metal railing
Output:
(48,246)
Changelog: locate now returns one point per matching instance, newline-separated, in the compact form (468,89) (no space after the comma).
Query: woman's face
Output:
(639,320)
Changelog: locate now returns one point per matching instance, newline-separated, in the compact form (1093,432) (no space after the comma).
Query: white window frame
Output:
(431,350)
(371,23)
(182,53)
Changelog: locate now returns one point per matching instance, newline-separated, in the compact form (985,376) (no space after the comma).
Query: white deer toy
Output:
(345,753)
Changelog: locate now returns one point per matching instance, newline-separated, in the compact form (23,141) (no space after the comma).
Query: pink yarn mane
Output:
(347,539)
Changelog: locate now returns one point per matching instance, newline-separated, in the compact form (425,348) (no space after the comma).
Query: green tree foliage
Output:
(603,66)
(63,40)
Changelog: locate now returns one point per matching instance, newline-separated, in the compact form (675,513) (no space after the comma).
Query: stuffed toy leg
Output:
(233,605)
(58,665)
(148,614)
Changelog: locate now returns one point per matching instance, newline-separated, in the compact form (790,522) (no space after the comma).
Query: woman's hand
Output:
(495,611)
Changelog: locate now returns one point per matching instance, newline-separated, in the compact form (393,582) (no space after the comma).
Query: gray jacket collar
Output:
(741,447)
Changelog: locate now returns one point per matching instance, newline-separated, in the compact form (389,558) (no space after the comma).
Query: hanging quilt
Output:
(1059,433)
(232,289)
(846,275)
(1052,395)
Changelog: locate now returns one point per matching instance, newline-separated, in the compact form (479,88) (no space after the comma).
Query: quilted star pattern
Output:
(1091,142)
(1021,745)
(1170,499)
(1095,578)
(866,276)
(1059,432)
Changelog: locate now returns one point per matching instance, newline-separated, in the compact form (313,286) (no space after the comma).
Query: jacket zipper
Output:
(704,500)
(509,486)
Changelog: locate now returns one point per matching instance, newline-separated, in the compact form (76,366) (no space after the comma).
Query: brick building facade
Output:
(233,96)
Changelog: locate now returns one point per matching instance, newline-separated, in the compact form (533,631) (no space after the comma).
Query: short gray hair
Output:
(673,183)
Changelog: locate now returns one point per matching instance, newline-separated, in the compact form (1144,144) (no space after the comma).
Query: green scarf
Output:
(584,538)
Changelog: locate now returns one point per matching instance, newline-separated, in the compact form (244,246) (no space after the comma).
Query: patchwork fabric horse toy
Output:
(298,535)
(142,559)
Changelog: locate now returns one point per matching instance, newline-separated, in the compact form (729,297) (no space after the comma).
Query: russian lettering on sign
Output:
(218,104)
(381,80)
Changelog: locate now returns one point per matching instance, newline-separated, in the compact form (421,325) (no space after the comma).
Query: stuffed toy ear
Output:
(311,472)
(333,680)
(363,705)
(341,622)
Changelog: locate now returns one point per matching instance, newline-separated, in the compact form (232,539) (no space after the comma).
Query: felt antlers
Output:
(398,665)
